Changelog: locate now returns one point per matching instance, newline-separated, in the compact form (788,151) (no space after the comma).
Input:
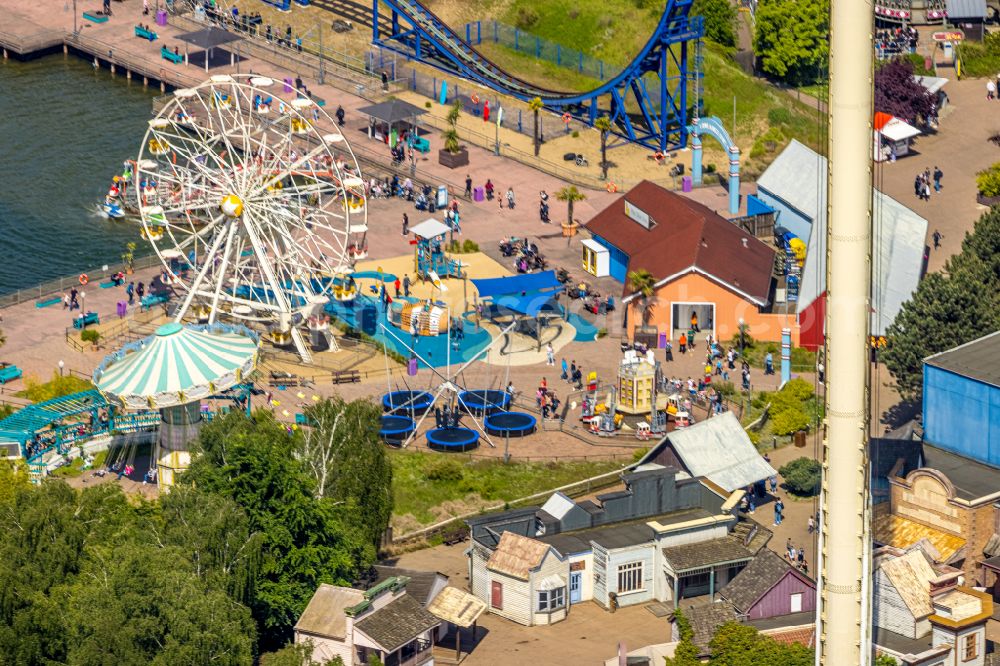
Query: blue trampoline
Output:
(395,429)
(510,424)
(484,401)
(452,439)
(407,402)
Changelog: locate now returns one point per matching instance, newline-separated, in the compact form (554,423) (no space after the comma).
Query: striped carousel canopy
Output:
(178,365)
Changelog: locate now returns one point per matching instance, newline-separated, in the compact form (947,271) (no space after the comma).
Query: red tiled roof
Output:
(802,635)
(686,236)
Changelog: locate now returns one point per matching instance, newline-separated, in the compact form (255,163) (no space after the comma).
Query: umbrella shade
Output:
(208,38)
(177,365)
(393,111)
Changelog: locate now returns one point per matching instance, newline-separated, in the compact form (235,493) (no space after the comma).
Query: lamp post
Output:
(62,364)
(83,302)
(742,325)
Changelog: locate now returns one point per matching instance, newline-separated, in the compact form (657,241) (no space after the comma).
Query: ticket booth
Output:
(596,258)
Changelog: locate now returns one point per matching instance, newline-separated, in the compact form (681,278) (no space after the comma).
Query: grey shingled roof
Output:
(398,623)
(979,359)
(324,616)
(749,585)
(720,450)
(705,553)
(798,177)
(967,9)
(706,620)
(419,585)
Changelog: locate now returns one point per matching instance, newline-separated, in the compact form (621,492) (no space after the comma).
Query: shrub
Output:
(90,335)
(802,476)
(639,453)
(447,470)
(576,134)
(470,246)
(427,105)
(710,168)
(602,333)
(788,421)
(988,181)
(779,116)
(526,17)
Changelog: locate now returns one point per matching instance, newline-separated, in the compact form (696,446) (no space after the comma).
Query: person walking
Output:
(811,525)
(668,351)
(683,343)
(768,364)
(406,224)
(936,236)
(778,508)
(130,291)
(340,115)
(565,370)
(550,355)
(397,285)
(938,175)
(468,186)
(927,189)
(572,371)
(510,198)
(991,89)
(406,285)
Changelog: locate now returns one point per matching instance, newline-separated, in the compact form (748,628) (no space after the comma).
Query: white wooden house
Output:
(922,616)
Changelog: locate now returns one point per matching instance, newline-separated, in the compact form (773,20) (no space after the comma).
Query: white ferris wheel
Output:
(255,205)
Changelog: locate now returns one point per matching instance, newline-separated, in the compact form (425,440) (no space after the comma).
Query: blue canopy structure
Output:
(529,295)
(544,281)
(22,425)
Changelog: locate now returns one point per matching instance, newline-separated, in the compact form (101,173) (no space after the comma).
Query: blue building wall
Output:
(786,216)
(618,260)
(961,415)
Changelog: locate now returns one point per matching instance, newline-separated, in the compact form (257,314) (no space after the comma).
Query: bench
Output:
(95,17)
(281,379)
(46,303)
(167,54)
(149,300)
(421,145)
(85,320)
(280,5)
(144,33)
(346,377)
(9,373)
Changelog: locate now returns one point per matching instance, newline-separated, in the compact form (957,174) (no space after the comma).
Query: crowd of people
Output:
(926,180)
(891,42)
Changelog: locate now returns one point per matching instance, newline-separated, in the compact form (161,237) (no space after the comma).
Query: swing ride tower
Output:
(172,371)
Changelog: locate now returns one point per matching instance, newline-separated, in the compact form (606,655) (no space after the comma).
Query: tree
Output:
(128,256)
(949,308)
(536,105)
(736,644)
(802,476)
(603,125)
(570,195)
(644,283)
(898,93)
(792,38)
(342,451)
(884,659)
(57,387)
(450,135)
(720,20)
(307,540)
(297,654)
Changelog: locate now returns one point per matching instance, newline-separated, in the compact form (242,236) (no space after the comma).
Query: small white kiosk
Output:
(596,258)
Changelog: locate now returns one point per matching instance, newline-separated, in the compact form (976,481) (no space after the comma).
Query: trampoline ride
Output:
(407,402)
(510,424)
(452,439)
(396,429)
(484,401)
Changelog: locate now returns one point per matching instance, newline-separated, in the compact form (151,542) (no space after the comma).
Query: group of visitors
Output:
(925,180)
(546,400)
(572,374)
(796,556)
(891,42)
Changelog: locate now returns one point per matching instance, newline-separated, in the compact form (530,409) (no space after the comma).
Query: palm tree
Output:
(3,338)
(603,125)
(450,135)
(643,282)
(570,195)
(536,105)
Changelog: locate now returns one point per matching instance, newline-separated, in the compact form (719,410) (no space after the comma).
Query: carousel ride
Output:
(254,205)
(172,371)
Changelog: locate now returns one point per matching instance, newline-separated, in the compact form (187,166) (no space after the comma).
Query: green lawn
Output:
(429,487)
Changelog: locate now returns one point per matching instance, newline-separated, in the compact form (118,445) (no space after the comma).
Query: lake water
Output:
(64,131)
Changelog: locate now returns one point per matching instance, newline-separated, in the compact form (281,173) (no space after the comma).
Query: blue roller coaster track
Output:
(658,117)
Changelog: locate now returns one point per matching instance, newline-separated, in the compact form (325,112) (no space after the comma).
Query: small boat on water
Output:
(112,208)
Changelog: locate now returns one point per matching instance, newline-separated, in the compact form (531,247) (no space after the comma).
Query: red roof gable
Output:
(684,236)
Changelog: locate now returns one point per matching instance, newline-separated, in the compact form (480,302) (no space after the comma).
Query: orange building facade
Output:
(719,309)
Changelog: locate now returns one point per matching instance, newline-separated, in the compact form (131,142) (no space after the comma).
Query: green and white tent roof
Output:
(177,365)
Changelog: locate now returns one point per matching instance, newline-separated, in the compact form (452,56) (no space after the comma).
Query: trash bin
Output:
(289,86)
(800,439)
(411,366)
(661,342)
(442,196)
(122,309)
(686,184)
(161,17)
(478,194)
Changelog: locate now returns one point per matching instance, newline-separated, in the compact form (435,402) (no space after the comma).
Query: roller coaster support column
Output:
(734,180)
